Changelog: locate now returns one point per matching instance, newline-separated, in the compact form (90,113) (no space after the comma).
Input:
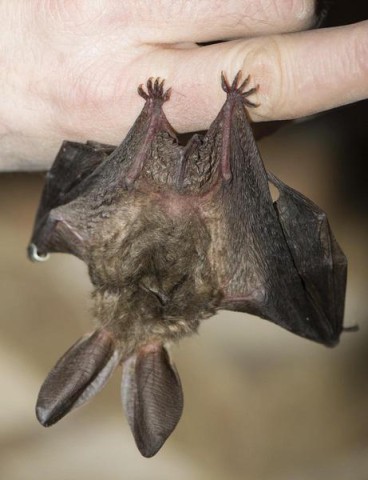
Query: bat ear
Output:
(152,397)
(79,374)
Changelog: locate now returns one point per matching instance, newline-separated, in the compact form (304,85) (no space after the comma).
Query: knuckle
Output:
(264,61)
(294,14)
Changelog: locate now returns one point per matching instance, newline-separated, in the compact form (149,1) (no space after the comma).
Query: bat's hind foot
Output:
(237,89)
(155,90)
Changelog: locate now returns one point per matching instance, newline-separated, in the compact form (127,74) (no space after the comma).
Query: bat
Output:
(170,235)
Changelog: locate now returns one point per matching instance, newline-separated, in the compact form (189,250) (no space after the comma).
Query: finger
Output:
(208,20)
(299,74)
(166,21)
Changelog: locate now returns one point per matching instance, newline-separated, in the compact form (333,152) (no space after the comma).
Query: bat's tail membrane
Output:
(79,374)
(152,397)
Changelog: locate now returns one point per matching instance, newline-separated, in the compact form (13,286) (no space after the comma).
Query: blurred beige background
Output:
(260,403)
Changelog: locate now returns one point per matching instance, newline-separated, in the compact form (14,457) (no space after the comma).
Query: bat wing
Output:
(317,256)
(81,171)
(152,397)
(79,374)
(73,164)
(253,260)
(65,181)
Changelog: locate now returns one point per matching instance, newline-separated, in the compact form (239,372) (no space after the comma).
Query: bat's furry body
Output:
(170,234)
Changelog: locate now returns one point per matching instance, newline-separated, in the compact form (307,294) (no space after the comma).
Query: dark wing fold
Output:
(72,165)
(79,374)
(66,180)
(317,256)
(152,397)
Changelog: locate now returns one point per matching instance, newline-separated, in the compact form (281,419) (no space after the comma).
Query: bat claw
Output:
(237,89)
(155,90)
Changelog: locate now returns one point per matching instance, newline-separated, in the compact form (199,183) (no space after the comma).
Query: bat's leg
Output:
(79,374)
(154,122)
(152,397)
(233,91)
(231,126)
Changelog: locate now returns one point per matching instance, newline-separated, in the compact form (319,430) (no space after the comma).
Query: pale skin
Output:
(70,69)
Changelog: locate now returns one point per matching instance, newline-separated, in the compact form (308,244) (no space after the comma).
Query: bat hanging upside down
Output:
(170,235)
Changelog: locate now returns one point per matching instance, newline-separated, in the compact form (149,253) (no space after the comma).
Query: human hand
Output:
(70,70)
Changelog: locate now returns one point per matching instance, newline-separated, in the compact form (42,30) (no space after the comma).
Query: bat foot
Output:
(155,90)
(235,88)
